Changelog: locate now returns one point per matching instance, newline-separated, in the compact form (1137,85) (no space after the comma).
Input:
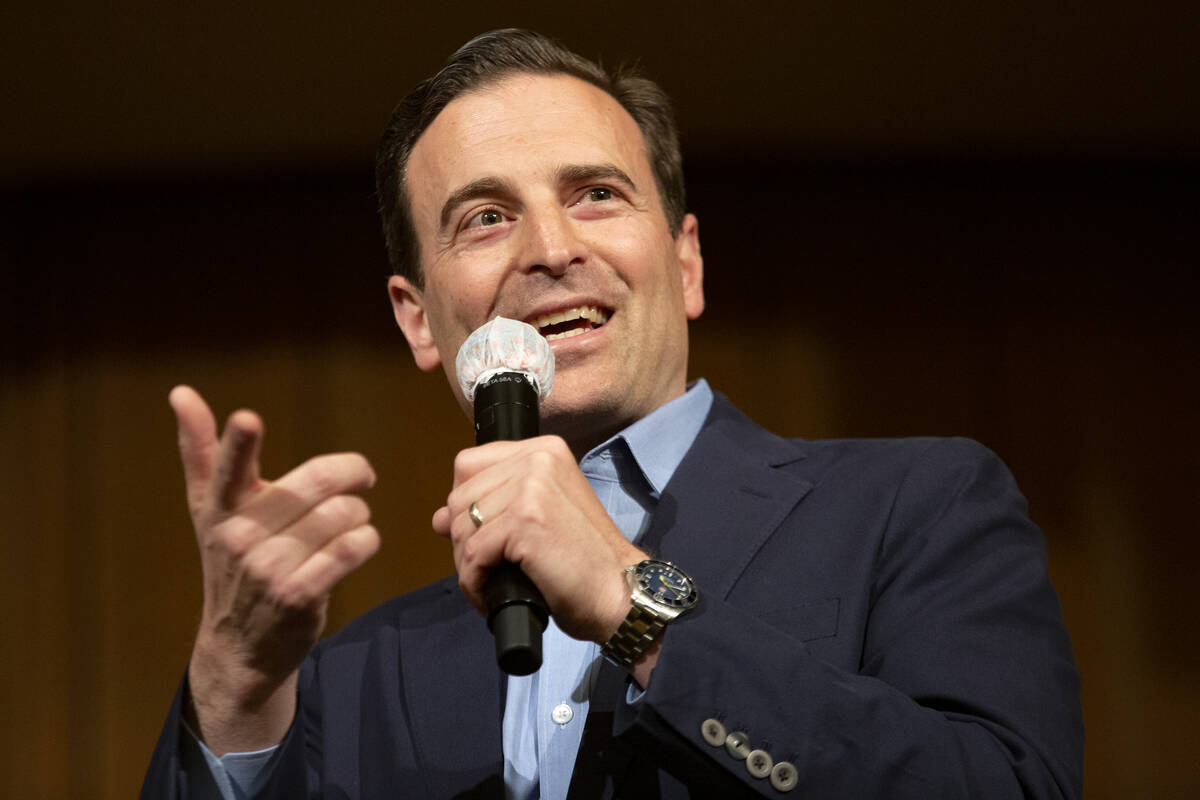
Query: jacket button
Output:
(759,763)
(783,776)
(713,732)
(737,744)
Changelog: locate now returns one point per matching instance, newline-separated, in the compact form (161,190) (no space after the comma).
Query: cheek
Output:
(637,251)
(462,288)
(446,328)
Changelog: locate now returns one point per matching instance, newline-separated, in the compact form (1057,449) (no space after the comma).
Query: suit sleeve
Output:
(965,685)
(178,770)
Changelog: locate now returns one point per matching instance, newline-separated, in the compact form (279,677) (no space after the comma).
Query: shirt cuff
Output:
(237,775)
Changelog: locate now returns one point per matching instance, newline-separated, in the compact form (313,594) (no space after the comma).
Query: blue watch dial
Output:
(667,584)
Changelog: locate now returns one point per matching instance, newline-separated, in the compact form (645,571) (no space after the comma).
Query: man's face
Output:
(533,198)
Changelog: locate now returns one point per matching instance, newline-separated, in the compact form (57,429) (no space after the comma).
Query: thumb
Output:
(197,430)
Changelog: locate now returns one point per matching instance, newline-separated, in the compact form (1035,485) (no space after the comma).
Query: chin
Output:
(582,424)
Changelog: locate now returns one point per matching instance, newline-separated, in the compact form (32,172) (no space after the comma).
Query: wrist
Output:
(615,609)
(235,708)
(618,596)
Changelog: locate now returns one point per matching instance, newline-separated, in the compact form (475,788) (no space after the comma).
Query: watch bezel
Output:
(675,601)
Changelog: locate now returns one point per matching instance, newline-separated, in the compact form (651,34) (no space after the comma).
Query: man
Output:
(874,618)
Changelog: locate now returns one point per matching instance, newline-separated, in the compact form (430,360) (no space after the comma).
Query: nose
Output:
(550,241)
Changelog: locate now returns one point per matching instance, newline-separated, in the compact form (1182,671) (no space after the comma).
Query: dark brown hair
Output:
(487,59)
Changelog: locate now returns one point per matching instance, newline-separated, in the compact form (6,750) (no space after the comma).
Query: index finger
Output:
(237,461)
(473,460)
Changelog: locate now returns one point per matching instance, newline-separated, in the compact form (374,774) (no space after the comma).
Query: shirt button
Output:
(562,714)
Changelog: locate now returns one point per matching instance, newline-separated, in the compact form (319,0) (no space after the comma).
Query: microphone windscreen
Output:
(504,345)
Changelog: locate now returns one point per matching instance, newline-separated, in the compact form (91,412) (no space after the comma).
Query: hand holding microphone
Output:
(525,500)
(506,367)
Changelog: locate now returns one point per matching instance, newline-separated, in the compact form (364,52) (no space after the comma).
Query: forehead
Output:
(522,128)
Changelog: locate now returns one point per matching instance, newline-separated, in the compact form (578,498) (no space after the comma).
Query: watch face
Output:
(667,584)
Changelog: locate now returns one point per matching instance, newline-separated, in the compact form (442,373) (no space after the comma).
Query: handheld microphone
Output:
(505,367)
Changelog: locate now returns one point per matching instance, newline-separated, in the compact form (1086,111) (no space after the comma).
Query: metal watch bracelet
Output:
(637,633)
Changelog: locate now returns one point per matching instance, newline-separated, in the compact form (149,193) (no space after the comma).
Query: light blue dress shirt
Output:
(544,713)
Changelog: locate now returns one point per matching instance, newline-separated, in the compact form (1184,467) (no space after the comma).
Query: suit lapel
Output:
(725,499)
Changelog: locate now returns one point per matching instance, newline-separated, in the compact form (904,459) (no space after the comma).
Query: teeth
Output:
(590,313)
(565,334)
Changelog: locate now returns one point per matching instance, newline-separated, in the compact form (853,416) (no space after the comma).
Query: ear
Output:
(408,306)
(691,265)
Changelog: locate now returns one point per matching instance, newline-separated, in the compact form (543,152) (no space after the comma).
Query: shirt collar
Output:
(659,441)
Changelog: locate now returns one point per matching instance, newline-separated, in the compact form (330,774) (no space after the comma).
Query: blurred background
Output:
(918,218)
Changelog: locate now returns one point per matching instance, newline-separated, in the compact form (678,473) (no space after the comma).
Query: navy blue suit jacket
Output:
(876,612)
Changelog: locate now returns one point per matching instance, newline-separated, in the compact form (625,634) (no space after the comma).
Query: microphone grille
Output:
(504,345)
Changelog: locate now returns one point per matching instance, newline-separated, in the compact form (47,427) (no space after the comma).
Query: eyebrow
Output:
(580,173)
(493,186)
(477,188)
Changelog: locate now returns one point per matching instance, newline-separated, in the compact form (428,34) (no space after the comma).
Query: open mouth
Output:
(569,322)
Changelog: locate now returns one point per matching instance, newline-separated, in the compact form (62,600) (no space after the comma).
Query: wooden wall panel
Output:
(36,659)
(1066,346)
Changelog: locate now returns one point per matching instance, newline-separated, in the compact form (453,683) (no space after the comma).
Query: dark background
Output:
(917,219)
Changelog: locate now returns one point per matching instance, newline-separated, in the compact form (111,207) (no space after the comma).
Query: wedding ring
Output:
(476,517)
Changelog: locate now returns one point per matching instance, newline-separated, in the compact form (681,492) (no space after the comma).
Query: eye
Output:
(484,219)
(598,194)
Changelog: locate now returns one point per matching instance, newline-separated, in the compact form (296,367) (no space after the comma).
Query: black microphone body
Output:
(506,409)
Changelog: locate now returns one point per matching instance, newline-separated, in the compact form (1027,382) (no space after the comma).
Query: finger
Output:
(316,576)
(480,471)
(473,460)
(503,536)
(489,507)
(237,459)
(475,557)
(283,552)
(493,484)
(197,432)
(283,502)
(442,520)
